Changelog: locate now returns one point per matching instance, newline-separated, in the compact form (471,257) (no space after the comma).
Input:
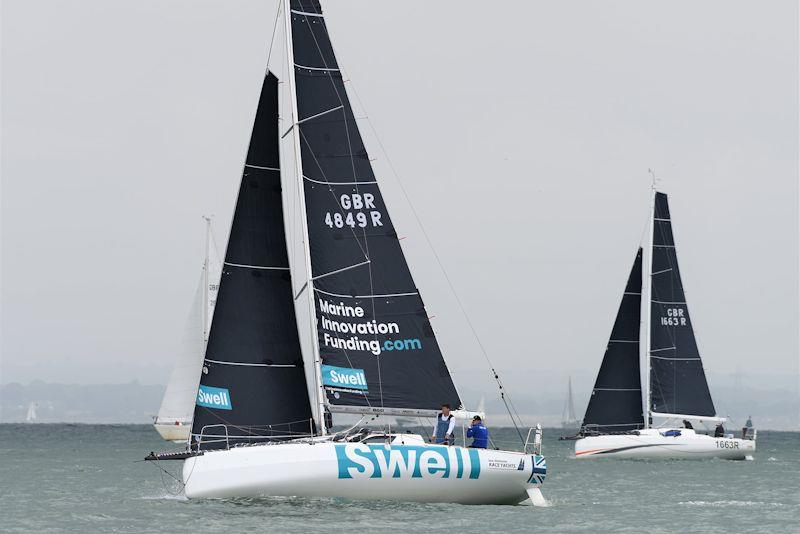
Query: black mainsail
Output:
(677,380)
(377,348)
(253,379)
(616,401)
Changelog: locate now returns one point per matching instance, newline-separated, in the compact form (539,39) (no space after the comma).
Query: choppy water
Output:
(83,478)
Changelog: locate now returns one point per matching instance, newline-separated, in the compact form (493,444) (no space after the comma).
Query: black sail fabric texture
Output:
(253,379)
(677,379)
(378,350)
(616,401)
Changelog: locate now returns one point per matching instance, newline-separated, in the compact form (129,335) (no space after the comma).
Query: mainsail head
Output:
(253,380)
(677,380)
(378,351)
(616,401)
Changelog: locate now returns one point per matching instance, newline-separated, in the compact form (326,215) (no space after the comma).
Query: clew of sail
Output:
(253,379)
(377,348)
(677,380)
(616,401)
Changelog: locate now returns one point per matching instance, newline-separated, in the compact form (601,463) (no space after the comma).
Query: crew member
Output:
(719,432)
(444,427)
(479,433)
(687,424)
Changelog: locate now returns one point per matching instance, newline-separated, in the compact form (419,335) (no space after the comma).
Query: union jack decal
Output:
(539,470)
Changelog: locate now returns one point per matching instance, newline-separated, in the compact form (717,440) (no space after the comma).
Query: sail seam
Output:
(340,270)
(242,364)
(256,267)
(368,296)
(337,183)
(323,69)
(261,167)
(307,13)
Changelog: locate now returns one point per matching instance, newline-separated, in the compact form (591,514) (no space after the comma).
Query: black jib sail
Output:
(379,353)
(677,380)
(616,401)
(253,379)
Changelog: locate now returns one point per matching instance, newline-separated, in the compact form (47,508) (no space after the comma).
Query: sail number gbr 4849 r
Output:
(358,209)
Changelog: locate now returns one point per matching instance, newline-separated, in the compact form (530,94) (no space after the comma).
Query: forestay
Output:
(379,353)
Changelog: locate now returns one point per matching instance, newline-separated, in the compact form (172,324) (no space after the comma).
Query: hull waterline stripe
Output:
(256,267)
(250,364)
(620,449)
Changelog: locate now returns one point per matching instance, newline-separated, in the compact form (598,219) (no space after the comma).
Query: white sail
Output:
(30,417)
(175,415)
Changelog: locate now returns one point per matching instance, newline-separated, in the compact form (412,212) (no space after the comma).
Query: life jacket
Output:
(441,427)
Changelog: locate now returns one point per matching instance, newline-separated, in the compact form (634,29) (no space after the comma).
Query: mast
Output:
(298,165)
(647,293)
(205,278)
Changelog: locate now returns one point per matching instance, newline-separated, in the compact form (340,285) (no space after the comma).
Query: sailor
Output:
(687,424)
(479,433)
(444,427)
(719,432)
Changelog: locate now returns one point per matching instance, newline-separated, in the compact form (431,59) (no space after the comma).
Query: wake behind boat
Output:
(258,428)
(675,386)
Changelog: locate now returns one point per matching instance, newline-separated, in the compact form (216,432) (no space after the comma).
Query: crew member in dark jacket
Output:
(479,433)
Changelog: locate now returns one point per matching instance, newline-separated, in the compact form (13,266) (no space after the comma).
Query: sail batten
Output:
(377,348)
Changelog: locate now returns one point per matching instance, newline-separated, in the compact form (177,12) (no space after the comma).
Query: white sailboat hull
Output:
(420,472)
(652,443)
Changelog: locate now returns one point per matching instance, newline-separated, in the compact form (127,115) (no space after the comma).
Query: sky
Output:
(523,133)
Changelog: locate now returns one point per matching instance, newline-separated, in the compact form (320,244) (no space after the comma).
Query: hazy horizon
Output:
(524,142)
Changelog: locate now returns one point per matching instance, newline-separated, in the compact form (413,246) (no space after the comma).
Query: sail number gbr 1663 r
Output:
(356,210)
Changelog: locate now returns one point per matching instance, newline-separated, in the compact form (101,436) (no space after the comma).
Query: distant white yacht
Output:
(31,417)
(174,419)
(653,329)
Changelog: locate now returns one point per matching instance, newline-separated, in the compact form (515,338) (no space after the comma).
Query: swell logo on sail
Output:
(407,461)
(343,377)
(210,397)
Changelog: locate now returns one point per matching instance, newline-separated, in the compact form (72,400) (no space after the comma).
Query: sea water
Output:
(88,478)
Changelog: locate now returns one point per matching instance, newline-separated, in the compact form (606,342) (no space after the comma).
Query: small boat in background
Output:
(31,417)
(174,419)
(620,415)
(570,424)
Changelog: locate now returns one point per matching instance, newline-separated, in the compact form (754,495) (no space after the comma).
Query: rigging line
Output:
(274,28)
(438,260)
